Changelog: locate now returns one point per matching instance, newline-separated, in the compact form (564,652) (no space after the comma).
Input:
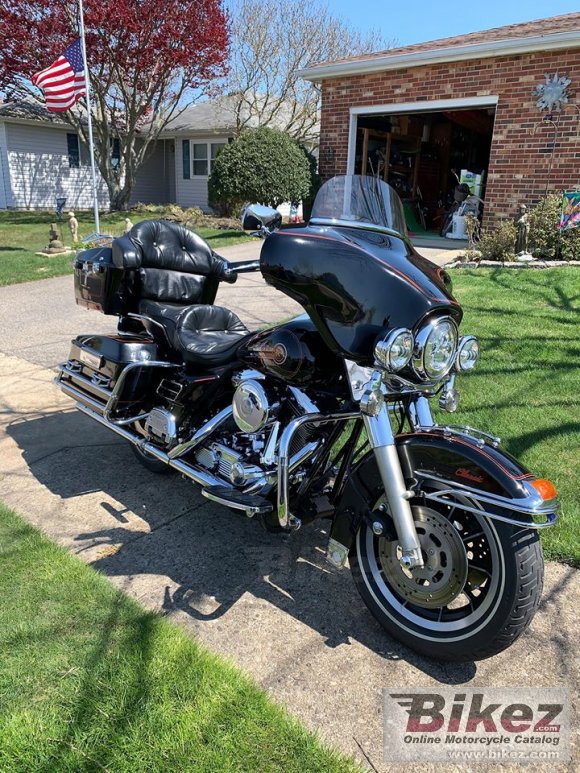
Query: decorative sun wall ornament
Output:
(552,94)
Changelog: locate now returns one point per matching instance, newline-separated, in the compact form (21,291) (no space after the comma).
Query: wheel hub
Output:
(444,574)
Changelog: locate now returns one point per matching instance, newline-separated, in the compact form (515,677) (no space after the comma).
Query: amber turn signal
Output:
(544,488)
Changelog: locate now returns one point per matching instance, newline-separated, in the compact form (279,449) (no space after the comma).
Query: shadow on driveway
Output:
(213,556)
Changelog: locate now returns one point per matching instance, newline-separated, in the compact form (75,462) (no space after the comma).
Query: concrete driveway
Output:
(269,603)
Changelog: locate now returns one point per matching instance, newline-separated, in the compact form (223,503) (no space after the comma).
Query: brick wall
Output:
(521,150)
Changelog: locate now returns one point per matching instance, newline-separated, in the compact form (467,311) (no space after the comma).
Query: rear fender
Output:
(443,467)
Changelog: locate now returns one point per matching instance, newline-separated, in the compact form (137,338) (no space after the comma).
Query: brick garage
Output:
(493,71)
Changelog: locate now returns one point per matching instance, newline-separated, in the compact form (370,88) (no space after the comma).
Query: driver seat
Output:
(208,335)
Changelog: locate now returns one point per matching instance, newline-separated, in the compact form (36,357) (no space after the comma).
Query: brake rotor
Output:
(444,575)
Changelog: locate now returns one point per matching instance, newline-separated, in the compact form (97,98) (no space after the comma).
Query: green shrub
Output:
(261,165)
(544,232)
(499,244)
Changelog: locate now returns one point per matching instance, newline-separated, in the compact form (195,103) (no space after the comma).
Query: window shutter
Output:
(186,160)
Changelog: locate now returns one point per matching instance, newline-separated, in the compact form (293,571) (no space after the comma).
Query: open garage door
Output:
(425,156)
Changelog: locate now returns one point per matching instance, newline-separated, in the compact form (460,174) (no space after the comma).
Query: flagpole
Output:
(88,98)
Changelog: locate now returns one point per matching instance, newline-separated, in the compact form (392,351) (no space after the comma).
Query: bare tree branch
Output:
(270,42)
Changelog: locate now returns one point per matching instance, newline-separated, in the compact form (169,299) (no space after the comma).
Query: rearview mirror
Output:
(256,217)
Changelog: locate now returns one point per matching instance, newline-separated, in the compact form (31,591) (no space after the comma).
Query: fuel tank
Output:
(356,283)
(294,352)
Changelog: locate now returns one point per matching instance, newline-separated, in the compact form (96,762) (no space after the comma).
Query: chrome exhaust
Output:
(197,476)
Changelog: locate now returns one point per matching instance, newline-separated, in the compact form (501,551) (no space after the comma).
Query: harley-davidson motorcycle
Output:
(326,415)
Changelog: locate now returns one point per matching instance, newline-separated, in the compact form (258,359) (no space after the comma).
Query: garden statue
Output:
(128,225)
(55,246)
(73,225)
(523,231)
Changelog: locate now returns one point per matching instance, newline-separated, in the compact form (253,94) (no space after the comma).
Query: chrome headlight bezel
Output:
(420,366)
(466,342)
(385,350)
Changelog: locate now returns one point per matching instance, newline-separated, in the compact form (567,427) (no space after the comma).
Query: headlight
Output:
(394,351)
(435,349)
(467,353)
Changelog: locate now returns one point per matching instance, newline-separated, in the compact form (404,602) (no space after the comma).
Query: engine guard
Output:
(449,467)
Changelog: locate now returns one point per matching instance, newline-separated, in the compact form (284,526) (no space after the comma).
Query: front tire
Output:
(501,579)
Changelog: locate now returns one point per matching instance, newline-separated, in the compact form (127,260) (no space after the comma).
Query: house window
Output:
(115,153)
(186,160)
(74,155)
(198,157)
(200,165)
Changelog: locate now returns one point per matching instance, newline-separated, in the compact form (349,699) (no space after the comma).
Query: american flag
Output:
(63,82)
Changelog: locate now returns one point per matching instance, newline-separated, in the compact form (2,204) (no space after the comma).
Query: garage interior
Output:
(423,155)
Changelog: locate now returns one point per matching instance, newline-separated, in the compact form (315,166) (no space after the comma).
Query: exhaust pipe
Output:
(203,479)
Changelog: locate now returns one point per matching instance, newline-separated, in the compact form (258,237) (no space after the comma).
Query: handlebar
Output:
(232,270)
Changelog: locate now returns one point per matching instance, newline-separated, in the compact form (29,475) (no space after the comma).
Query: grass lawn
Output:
(24,233)
(526,388)
(90,681)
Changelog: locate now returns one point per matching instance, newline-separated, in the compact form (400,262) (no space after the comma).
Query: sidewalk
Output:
(269,603)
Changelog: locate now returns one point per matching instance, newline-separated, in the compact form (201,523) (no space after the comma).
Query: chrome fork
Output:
(382,440)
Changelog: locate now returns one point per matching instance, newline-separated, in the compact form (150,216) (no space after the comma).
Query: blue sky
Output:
(414,21)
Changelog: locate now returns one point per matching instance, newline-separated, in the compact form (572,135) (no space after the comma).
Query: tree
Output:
(147,60)
(270,42)
(261,165)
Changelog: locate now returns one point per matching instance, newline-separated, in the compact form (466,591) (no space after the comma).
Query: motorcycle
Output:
(326,415)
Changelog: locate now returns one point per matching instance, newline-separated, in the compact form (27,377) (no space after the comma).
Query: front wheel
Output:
(478,591)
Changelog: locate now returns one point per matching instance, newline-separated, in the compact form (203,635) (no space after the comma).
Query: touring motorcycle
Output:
(324,416)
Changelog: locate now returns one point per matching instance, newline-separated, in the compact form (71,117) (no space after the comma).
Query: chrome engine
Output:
(247,458)
(251,406)
(161,424)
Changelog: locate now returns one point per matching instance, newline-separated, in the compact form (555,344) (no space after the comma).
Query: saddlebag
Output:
(99,283)
(95,363)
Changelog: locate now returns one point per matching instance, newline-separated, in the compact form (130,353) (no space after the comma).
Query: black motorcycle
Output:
(324,416)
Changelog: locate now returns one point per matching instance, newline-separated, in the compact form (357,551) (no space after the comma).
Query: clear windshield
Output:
(359,201)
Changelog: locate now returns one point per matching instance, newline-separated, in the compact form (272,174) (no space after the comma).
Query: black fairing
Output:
(294,352)
(356,283)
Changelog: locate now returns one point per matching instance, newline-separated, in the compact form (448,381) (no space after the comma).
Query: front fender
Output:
(436,461)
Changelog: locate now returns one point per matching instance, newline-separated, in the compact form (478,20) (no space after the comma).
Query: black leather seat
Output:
(208,335)
(175,279)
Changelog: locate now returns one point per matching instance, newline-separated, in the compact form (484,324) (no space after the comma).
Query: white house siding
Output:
(5,190)
(155,181)
(192,192)
(39,169)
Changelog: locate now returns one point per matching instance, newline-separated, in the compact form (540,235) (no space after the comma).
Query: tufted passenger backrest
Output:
(174,265)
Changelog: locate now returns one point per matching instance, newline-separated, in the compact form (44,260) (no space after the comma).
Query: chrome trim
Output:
(117,389)
(383,348)
(303,455)
(201,434)
(382,441)
(244,375)
(457,429)
(76,377)
(283,509)
(463,342)
(194,474)
(304,401)
(79,396)
(530,505)
(440,497)
(418,357)
(249,510)
(420,415)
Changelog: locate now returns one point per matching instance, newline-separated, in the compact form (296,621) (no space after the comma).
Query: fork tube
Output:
(382,442)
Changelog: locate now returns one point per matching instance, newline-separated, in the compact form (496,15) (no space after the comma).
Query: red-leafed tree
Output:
(148,59)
